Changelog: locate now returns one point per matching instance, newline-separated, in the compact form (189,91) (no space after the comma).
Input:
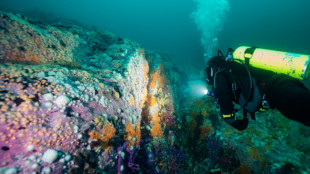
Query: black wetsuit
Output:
(282,92)
(290,97)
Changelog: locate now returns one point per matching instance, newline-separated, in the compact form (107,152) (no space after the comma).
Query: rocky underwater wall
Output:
(76,99)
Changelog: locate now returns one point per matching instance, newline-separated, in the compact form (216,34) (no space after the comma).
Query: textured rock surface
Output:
(271,143)
(69,89)
(107,105)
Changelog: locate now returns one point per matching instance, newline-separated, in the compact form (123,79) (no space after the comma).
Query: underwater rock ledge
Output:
(77,99)
(74,99)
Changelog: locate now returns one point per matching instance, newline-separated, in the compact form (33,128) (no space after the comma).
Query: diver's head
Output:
(214,64)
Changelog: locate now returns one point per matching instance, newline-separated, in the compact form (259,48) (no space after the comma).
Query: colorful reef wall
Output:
(75,99)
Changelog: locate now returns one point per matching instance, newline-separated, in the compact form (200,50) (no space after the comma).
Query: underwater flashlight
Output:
(205,91)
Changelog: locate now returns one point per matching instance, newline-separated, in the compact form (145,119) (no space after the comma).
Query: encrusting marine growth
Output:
(76,99)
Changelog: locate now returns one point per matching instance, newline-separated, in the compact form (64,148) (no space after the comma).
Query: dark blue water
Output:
(277,24)
(179,26)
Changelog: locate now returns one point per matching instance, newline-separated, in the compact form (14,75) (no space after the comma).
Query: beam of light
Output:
(196,89)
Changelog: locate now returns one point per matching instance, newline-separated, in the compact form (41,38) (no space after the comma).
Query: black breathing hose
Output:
(250,79)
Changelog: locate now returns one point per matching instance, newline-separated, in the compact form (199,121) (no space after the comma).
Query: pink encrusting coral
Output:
(47,106)
(28,121)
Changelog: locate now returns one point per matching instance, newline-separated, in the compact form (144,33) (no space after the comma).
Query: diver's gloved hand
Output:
(236,115)
(231,119)
(264,106)
(228,115)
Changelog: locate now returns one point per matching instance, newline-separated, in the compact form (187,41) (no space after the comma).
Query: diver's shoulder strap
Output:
(251,101)
(215,75)
(234,87)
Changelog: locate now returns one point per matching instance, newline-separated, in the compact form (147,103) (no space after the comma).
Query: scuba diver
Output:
(250,78)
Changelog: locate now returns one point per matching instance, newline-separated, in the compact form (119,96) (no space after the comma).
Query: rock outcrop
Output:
(76,99)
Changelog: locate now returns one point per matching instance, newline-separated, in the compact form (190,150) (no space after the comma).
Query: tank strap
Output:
(248,53)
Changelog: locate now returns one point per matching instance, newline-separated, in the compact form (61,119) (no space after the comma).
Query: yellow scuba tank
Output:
(292,64)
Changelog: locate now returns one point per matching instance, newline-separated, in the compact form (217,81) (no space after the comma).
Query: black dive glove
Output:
(238,124)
